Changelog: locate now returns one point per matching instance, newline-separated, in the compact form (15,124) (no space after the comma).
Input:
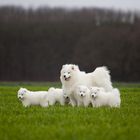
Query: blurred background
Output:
(38,36)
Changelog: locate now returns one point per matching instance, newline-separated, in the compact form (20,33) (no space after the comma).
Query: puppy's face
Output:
(94,91)
(82,91)
(21,93)
(68,71)
(66,96)
(67,99)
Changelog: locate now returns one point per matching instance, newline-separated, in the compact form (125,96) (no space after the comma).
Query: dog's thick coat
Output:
(71,77)
(99,97)
(29,98)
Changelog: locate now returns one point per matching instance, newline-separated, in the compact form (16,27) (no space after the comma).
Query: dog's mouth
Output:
(82,95)
(20,98)
(67,79)
(93,97)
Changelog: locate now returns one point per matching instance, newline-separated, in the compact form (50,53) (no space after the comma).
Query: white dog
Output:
(32,97)
(100,97)
(57,95)
(82,96)
(71,77)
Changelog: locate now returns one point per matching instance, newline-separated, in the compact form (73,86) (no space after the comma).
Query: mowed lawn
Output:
(65,122)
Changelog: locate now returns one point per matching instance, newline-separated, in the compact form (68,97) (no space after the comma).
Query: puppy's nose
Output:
(81,94)
(67,97)
(92,96)
(19,98)
(64,76)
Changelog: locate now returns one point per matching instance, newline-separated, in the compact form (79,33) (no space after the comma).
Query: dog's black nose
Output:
(64,76)
(92,95)
(67,97)
(81,94)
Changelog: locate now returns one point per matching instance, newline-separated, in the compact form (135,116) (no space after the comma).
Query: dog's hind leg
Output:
(44,104)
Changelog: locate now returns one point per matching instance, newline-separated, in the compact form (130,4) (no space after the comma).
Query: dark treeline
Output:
(34,44)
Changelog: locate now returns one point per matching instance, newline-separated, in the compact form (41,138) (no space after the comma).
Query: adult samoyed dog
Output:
(71,77)
(99,97)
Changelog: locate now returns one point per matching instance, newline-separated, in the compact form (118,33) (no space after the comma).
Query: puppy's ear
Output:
(63,66)
(21,88)
(77,89)
(72,67)
(26,90)
(88,90)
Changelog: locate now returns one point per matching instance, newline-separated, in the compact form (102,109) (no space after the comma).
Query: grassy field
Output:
(68,123)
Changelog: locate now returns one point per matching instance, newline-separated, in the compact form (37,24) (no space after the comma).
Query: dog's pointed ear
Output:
(21,88)
(63,66)
(77,89)
(86,89)
(74,67)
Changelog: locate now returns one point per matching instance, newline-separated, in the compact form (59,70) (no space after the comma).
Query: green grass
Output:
(68,123)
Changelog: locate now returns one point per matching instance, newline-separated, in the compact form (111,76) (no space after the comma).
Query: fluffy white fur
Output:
(71,77)
(29,98)
(57,95)
(99,97)
(82,96)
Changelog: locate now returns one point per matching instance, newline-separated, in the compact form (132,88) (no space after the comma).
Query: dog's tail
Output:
(101,78)
(116,92)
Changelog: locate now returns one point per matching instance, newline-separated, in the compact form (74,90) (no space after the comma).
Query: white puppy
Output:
(32,97)
(71,77)
(99,97)
(57,95)
(82,96)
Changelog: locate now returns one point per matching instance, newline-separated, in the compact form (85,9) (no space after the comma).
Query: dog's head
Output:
(94,91)
(51,89)
(21,93)
(82,91)
(66,97)
(68,72)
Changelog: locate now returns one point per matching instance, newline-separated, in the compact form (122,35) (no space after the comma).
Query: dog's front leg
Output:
(62,102)
(52,102)
(86,104)
(93,104)
(26,103)
(79,103)
(45,104)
